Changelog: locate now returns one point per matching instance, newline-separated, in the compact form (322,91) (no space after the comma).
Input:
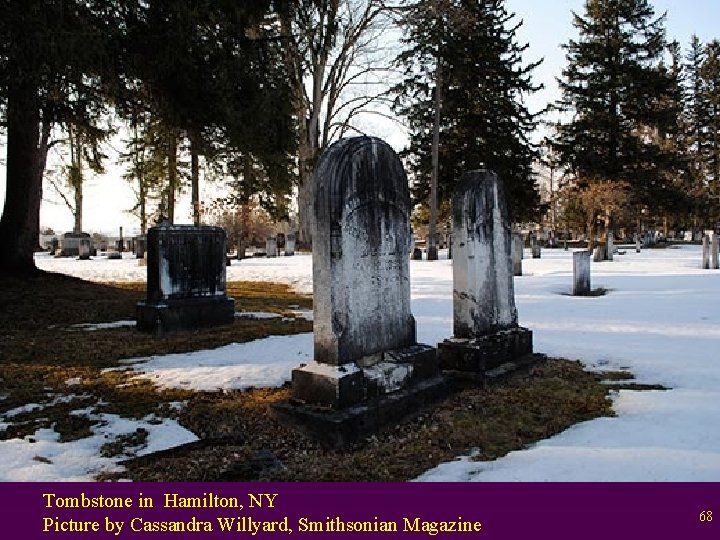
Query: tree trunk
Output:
(195,176)
(172,176)
(591,234)
(26,153)
(76,178)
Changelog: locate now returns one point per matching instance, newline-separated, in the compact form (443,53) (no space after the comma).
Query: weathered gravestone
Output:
(581,273)
(714,255)
(290,244)
(485,329)
(368,369)
(241,248)
(610,248)
(271,247)
(705,252)
(185,280)
(518,246)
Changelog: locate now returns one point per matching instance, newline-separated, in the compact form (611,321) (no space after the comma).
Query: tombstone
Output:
(599,253)
(485,329)
(84,247)
(610,248)
(241,248)
(140,246)
(70,244)
(368,368)
(450,246)
(705,253)
(185,280)
(417,254)
(536,251)
(271,247)
(431,247)
(114,256)
(290,244)
(518,246)
(120,244)
(54,243)
(688,236)
(581,273)
(714,259)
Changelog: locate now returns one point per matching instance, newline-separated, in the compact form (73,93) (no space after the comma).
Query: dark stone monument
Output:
(185,280)
(581,273)
(599,253)
(241,247)
(70,244)
(368,368)
(140,246)
(610,247)
(485,329)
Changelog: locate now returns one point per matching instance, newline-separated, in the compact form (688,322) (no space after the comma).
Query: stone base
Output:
(174,315)
(348,385)
(351,426)
(481,355)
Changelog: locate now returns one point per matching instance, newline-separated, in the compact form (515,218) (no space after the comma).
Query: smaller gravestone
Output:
(536,251)
(271,247)
(610,248)
(185,280)
(84,248)
(599,253)
(450,246)
(241,247)
(714,245)
(417,254)
(518,246)
(485,330)
(431,247)
(140,246)
(114,256)
(54,243)
(638,244)
(581,273)
(705,253)
(290,245)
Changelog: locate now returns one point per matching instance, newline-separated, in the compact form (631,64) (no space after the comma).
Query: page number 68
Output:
(706,516)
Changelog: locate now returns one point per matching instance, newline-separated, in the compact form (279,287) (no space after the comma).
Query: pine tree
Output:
(622,102)
(709,147)
(484,122)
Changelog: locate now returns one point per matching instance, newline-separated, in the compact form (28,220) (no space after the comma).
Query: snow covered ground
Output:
(660,320)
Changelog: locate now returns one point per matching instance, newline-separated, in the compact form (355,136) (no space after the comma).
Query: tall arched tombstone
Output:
(365,348)
(485,329)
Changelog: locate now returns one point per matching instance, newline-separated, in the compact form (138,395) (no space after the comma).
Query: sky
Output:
(659,321)
(547,25)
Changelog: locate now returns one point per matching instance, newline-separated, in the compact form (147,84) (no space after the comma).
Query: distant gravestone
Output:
(114,256)
(518,246)
(714,255)
(290,244)
(705,253)
(367,362)
(610,248)
(581,273)
(185,280)
(84,248)
(241,247)
(70,244)
(140,246)
(271,247)
(485,329)
(599,253)
(638,244)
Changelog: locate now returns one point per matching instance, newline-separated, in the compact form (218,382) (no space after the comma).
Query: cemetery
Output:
(330,266)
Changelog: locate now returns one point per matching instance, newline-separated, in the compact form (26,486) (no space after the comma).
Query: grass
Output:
(46,360)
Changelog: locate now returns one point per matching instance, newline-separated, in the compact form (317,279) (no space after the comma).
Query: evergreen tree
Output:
(709,147)
(622,101)
(484,122)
